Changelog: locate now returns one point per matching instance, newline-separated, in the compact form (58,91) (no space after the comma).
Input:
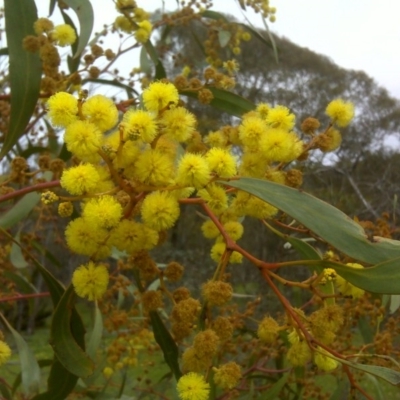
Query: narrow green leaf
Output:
(16,257)
(50,256)
(67,348)
(25,68)
(52,6)
(381,278)
(4,391)
(30,370)
(394,303)
(213,15)
(73,62)
(151,51)
(342,390)
(225,101)
(276,388)
(23,285)
(271,38)
(366,330)
(166,342)
(304,249)
(97,332)
(19,211)
(58,373)
(4,51)
(378,389)
(387,374)
(117,84)
(32,150)
(224,37)
(60,383)
(84,12)
(144,61)
(323,219)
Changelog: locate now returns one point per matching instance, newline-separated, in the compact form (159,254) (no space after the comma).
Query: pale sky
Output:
(355,34)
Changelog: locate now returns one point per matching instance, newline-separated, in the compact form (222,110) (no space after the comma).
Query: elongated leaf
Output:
(342,390)
(19,211)
(50,256)
(226,101)
(323,219)
(214,15)
(52,6)
(70,354)
(4,51)
(60,383)
(23,285)
(394,303)
(151,51)
(144,61)
(387,374)
(25,68)
(166,342)
(73,62)
(117,84)
(304,249)
(16,257)
(95,337)
(30,370)
(224,37)
(84,12)
(4,391)
(276,388)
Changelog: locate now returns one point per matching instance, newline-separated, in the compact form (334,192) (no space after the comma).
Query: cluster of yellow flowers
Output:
(131,172)
(133,20)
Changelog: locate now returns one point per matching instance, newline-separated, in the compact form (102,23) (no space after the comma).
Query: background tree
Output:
(305,81)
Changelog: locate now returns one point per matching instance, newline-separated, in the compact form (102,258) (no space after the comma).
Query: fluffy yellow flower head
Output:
(124,24)
(131,236)
(100,111)
(139,124)
(192,386)
(280,145)
(160,210)
(104,212)
(80,179)
(154,168)
(215,196)
(268,330)
(228,375)
(218,250)
(340,112)
(64,35)
(43,25)
(251,130)
(159,95)
(83,139)
(62,109)
(221,162)
(143,33)
(5,352)
(90,281)
(217,293)
(193,170)
(209,229)
(280,117)
(179,123)
(82,238)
